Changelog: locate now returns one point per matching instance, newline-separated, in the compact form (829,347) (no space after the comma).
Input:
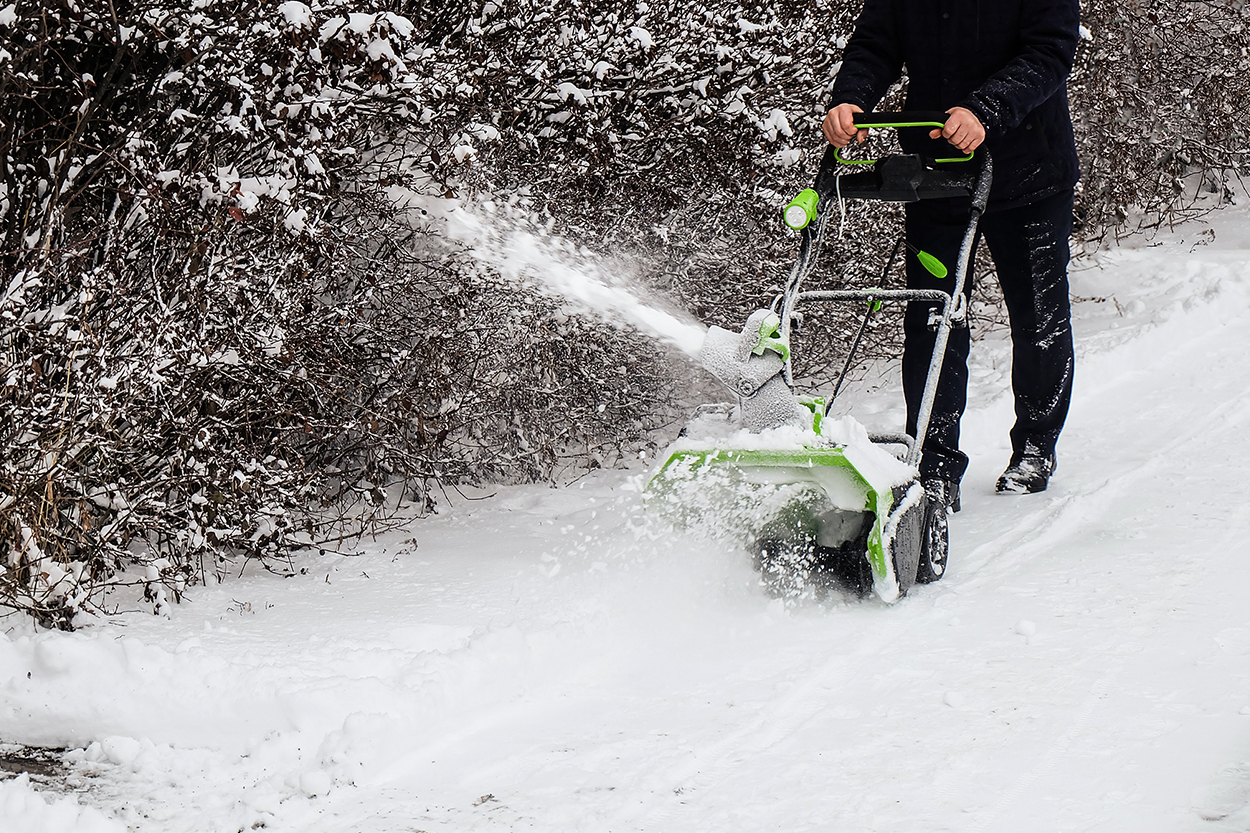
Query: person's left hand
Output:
(963,130)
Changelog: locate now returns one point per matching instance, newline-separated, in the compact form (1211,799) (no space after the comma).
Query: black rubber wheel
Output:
(934,544)
(907,544)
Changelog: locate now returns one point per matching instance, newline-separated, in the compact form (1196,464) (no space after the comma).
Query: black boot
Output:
(1028,472)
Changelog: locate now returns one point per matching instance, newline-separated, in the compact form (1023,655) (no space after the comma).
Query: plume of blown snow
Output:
(532,259)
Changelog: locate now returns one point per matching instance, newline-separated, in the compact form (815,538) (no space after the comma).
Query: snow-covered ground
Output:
(533,660)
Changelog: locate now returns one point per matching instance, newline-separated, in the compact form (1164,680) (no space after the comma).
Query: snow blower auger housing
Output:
(818,500)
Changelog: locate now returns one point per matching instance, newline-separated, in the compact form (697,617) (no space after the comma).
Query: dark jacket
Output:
(1005,60)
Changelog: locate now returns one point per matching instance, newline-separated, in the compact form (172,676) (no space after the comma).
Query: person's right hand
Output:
(839,126)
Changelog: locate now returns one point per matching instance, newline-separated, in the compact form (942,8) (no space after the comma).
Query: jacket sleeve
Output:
(1049,32)
(872,60)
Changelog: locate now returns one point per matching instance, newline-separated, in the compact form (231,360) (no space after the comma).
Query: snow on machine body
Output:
(821,500)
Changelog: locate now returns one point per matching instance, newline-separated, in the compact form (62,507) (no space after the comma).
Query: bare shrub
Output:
(216,322)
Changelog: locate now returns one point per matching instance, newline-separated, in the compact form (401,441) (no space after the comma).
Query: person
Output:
(999,70)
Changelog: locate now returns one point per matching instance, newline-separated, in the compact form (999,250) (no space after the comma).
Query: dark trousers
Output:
(1029,245)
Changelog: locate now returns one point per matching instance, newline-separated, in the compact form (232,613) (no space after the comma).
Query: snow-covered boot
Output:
(1028,472)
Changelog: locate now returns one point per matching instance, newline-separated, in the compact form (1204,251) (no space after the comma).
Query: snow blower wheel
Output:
(909,535)
(935,546)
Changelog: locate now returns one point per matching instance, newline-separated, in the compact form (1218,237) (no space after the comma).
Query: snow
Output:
(26,810)
(295,221)
(486,132)
(642,36)
(381,48)
(565,90)
(297,14)
(775,124)
(542,658)
(524,256)
(787,158)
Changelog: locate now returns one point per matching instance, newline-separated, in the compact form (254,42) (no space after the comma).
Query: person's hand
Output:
(963,130)
(839,126)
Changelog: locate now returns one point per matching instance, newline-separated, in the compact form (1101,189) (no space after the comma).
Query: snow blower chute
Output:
(820,500)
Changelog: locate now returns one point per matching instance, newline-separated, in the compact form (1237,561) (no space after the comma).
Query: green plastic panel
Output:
(726,469)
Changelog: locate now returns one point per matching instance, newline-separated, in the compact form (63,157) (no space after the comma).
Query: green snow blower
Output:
(820,501)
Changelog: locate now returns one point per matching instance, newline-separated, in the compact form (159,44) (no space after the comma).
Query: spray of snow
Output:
(591,284)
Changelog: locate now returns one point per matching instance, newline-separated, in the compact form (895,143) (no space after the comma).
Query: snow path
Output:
(533,661)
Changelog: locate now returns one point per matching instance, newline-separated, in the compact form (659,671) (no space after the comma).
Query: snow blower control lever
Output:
(895,178)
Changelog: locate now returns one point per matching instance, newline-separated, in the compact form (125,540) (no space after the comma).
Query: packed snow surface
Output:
(544,659)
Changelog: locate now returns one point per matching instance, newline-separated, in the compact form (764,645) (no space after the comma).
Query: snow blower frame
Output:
(833,508)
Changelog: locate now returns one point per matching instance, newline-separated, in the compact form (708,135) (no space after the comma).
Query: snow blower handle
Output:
(907,118)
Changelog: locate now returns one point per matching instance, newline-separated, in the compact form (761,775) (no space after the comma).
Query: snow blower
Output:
(820,501)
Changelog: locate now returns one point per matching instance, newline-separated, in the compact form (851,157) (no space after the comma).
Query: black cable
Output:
(872,307)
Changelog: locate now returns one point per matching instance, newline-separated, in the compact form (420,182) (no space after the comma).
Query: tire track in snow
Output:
(781,718)
(1072,514)
(1060,748)
(1068,514)
(1102,687)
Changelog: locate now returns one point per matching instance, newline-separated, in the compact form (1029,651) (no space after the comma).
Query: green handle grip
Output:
(902,123)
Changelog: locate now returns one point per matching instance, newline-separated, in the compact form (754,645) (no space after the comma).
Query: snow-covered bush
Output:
(1161,94)
(216,323)
(180,253)
(671,131)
